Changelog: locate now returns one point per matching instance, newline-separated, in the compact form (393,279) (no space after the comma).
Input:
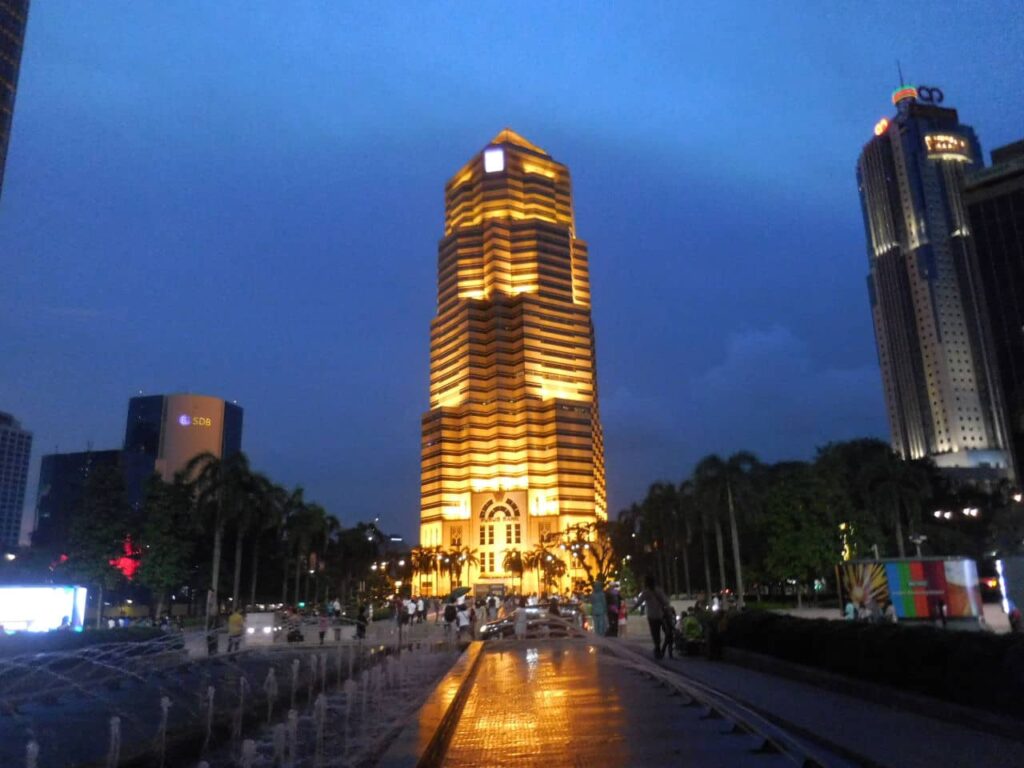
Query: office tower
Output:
(162,434)
(62,481)
(995,205)
(932,335)
(512,449)
(13,17)
(15,449)
(174,429)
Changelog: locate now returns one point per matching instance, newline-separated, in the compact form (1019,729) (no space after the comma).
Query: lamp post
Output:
(916,540)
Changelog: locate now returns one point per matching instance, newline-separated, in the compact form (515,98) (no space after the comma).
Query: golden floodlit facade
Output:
(512,449)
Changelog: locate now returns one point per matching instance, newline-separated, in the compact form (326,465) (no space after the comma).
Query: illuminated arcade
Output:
(512,451)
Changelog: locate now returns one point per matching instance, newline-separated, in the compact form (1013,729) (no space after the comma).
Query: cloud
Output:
(770,396)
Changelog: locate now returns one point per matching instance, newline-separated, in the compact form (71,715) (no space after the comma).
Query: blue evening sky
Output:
(244,199)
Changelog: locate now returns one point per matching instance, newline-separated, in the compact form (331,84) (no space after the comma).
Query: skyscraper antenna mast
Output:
(899,69)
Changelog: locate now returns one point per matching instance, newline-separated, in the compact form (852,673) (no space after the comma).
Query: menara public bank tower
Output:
(512,449)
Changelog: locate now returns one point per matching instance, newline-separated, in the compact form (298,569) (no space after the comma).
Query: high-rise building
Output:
(13,18)
(512,449)
(162,434)
(995,204)
(173,429)
(15,450)
(933,341)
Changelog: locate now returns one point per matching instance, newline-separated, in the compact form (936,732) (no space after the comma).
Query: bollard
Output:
(31,754)
(114,752)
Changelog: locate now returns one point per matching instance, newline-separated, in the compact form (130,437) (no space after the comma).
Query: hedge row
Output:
(977,669)
(49,642)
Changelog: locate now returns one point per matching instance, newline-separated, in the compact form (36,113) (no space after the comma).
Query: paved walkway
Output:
(886,736)
(563,703)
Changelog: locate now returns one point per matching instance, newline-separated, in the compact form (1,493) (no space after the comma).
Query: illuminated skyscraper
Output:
(512,449)
(931,326)
(13,17)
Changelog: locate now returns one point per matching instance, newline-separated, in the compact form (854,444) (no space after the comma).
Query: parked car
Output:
(263,628)
(539,622)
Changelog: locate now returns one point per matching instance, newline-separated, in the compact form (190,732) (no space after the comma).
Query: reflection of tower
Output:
(512,445)
(931,329)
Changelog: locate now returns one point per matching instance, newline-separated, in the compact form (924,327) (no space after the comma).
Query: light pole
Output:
(916,540)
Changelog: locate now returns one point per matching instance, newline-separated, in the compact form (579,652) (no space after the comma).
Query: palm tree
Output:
(513,563)
(271,501)
(535,559)
(467,557)
(293,504)
(724,481)
(218,486)
(687,511)
(896,486)
(305,527)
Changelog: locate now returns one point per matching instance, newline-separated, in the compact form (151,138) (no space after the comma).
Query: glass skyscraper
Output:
(995,202)
(15,450)
(512,448)
(933,339)
(13,17)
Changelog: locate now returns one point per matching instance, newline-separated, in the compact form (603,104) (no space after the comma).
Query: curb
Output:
(424,741)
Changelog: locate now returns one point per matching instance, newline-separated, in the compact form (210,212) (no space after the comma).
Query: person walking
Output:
(612,599)
(521,620)
(321,626)
(236,628)
(599,609)
(654,601)
(361,622)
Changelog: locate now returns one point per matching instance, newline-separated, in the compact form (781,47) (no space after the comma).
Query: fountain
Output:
(270,689)
(114,753)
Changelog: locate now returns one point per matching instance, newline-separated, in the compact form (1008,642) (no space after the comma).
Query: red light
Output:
(881,126)
(128,563)
(991,583)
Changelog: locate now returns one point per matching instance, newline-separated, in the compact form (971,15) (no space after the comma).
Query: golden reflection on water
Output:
(553,704)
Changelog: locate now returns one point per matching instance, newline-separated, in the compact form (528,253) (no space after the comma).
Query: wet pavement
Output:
(551,702)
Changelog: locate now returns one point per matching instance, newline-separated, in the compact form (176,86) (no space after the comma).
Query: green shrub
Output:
(977,669)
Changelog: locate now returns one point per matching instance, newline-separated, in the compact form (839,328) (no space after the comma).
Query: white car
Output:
(262,628)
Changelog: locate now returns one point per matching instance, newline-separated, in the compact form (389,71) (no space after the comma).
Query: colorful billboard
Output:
(917,589)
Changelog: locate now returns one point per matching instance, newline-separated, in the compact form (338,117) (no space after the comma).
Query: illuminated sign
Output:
(929,94)
(948,146)
(903,93)
(494,160)
(881,126)
(194,421)
(41,609)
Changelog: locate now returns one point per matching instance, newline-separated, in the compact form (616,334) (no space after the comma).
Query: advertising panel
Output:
(917,589)
(40,609)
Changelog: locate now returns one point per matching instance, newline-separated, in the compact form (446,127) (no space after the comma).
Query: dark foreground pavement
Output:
(877,734)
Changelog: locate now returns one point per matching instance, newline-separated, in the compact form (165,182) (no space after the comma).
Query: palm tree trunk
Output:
(218,540)
(255,570)
(298,578)
(238,569)
(284,581)
(721,553)
(160,604)
(799,596)
(99,608)
(899,531)
(686,568)
(707,563)
(735,547)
